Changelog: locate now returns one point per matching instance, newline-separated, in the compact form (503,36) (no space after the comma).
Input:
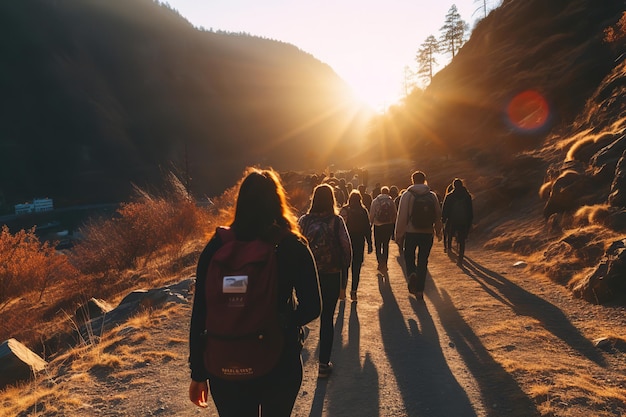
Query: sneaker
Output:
(325,370)
(353,295)
(342,294)
(413,283)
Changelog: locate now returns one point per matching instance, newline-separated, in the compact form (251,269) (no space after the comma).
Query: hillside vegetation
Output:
(531,114)
(98,95)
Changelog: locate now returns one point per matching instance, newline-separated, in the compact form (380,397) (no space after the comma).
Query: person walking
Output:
(383,217)
(330,243)
(458,214)
(366,198)
(262,213)
(360,231)
(419,218)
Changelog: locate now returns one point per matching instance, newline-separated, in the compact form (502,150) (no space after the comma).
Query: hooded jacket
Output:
(403,223)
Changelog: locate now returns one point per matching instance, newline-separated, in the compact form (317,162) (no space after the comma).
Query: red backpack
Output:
(244,336)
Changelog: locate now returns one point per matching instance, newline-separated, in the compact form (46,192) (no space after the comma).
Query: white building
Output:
(37,206)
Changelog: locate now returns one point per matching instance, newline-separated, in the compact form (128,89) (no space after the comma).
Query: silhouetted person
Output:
(383,217)
(446,230)
(332,254)
(360,231)
(415,232)
(458,214)
(366,199)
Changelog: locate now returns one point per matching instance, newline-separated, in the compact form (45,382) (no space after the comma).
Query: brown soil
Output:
(488,340)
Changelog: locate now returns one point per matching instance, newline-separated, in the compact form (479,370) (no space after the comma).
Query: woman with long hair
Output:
(329,241)
(261,213)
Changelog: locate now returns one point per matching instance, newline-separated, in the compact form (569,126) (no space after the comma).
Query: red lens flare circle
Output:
(528,110)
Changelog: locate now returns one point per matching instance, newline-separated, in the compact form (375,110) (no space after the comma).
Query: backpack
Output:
(323,237)
(423,211)
(458,214)
(244,335)
(356,221)
(386,211)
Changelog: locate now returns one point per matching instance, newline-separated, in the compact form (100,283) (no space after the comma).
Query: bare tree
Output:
(426,58)
(453,32)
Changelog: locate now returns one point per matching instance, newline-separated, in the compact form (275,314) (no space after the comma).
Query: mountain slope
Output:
(531,114)
(104,93)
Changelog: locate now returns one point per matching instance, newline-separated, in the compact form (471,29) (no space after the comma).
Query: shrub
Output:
(138,231)
(26,264)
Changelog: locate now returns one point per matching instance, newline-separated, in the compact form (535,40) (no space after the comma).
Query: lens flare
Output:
(528,111)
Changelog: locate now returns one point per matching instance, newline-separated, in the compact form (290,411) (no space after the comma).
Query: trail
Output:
(488,340)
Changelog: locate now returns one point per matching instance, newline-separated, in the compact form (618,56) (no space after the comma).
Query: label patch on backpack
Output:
(235,284)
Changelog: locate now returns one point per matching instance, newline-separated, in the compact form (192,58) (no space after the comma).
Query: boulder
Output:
(617,197)
(92,309)
(136,301)
(567,191)
(608,280)
(18,363)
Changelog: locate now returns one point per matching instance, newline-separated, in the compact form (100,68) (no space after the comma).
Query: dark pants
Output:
(274,393)
(382,236)
(358,249)
(460,232)
(329,287)
(423,243)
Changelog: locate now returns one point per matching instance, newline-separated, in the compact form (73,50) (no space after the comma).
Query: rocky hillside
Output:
(531,114)
(101,94)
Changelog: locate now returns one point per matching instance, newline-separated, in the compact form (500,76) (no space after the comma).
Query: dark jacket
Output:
(296,270)
(464,199)
(357,223)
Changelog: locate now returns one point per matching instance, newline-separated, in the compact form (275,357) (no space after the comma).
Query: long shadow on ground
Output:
(358,392)
(427,385)
(527,304)
(500,393)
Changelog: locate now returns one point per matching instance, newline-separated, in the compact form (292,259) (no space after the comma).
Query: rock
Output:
(92,309)
(520,264)
(567,192)
(608,280)
(18,363)
(617,197)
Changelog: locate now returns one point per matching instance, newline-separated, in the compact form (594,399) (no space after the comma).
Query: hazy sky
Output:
(367,42)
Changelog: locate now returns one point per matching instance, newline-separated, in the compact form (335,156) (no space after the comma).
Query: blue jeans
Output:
(423,243)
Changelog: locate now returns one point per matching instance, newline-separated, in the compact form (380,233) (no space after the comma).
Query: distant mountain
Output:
(101,94)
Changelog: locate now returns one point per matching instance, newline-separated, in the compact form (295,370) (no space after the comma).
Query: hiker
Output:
(458,214)
(330,243)
(446,229)
(261,213)
(419,217)
(366,199)
(360,231)
(383,217)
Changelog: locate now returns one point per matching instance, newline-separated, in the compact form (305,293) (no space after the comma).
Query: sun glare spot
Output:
(528,111)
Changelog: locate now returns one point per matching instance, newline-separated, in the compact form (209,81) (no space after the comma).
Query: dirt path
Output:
(489,340)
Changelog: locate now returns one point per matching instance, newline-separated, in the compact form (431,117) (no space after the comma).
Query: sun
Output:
(376,90)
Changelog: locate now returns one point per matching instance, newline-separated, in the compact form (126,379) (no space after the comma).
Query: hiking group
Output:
(260,280)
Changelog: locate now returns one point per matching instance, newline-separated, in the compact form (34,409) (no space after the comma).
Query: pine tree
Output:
(426,58)
(453,31)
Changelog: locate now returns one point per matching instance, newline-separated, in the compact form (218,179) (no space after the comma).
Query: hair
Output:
(355,199)
(262,209)
(418,177)
(323,200)
(384,190)
(457,183)
(394,191)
